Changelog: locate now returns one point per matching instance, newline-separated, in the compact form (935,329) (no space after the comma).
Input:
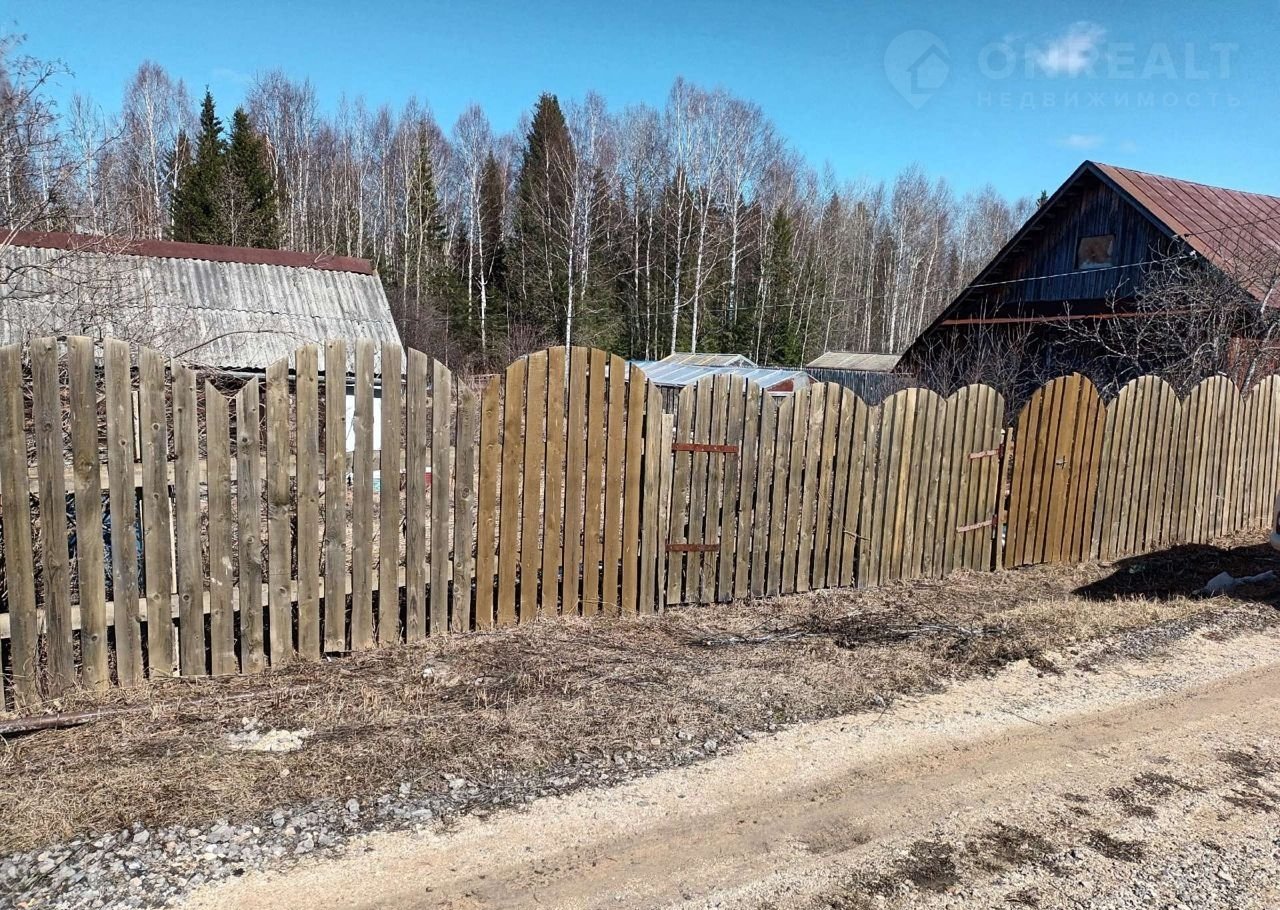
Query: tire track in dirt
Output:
(788,814)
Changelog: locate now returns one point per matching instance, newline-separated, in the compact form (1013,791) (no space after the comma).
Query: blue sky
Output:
(1014,93)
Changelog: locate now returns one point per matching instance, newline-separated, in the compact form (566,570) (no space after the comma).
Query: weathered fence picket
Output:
(559,487)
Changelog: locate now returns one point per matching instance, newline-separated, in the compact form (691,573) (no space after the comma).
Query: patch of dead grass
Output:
(524,701)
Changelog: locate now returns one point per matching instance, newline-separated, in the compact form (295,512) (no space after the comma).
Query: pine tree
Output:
(248,205)
(543,242)
(195,200)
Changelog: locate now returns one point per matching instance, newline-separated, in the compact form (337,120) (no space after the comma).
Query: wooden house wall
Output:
(1096,209)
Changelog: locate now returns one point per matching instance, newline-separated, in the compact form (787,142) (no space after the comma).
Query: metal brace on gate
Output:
(705,447)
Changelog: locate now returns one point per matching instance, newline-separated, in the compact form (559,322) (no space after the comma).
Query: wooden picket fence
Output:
(158,522)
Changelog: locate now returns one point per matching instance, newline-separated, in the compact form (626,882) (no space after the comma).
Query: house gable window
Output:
(1095,252)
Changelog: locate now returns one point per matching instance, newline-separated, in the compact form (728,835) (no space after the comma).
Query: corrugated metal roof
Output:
(676,374)
(708,360)
(856,360)
(1230,228)
(213,311)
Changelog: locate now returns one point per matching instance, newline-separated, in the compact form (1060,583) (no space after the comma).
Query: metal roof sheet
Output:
(856,360)
(214,311)
(675,374)
(1231,228)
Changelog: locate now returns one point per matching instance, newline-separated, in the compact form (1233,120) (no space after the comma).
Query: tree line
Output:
(645,230)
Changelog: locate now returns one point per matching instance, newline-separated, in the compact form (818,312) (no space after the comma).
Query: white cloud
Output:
(1082,141)
(1071,53)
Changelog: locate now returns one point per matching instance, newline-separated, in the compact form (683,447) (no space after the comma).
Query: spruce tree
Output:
(542,239)
(248,203)
(195,199)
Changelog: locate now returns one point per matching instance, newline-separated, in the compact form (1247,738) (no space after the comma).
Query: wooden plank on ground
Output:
(19,554)
(417,439)
(335,495)
(441,494)
(90,572)
(186,524)
(307,429)
(222,620)
(553,500)
(464,509)
(362,501)
(632,490)
(593,498)
(488,498)
(249,525)
(157,522)
(535,469)
(575,480)
(46,422)
(615,453)
(512,468)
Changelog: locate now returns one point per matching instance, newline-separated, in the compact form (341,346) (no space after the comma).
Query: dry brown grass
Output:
(524,701)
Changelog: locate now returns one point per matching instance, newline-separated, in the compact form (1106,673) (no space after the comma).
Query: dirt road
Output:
(1023,789)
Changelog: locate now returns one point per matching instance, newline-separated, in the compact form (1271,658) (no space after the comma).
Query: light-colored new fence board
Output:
(513,436)
(464,508)
(553,505)
(593,502)
(533,484)
(632,494)
(490,484)
(559,487)
(615,456)
(575,480)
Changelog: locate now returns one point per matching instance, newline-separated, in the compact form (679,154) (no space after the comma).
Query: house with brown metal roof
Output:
(218,306)
(1086,257)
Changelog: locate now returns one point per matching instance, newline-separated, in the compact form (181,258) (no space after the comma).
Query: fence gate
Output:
(567,518)
(713,419)
(1058,440)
